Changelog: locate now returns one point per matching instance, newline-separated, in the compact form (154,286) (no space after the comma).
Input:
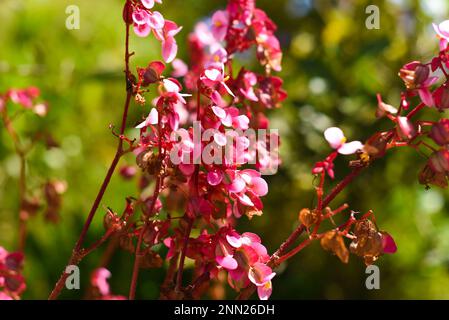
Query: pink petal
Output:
(4,296)
(227,262)
(99,280)
(156,20)
(350,147)
(171,86)
(142,30)
(169,49)
(335,137)
(148,3)
(219,112)
(153,118)
(264,292)
(245,200)
(220,24)
(242,122)
(260,273)
(140,17)
(180,69)
(237,185)
(426,97)
(220,139)
(234,241)
(214,177)
(213,74)
(389,246)
(406,127)
(171,29)
(259,186)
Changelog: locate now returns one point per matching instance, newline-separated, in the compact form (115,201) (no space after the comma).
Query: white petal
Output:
(350,147)
(335,137)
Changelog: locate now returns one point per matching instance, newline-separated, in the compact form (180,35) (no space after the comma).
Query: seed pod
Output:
(308,217)
(368,242)
(333,241)
(429,176)
(376,145)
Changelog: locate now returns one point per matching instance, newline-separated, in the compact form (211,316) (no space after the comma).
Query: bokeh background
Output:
(333,68)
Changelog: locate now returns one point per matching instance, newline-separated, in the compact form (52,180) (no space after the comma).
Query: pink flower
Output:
(215,79)
(249,81)
(416,77)
(327,165)
(24,97)
(259,274)
(140,17)
(220,21)
(180,69)
(442,31)
(99,279)
(167,36)
(337,141)
(149,3)
(230,117)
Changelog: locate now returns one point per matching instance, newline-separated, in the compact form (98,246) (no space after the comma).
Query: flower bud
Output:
(128,13)
(442,98)
(406,128)
(440,132)
(439,161)
(152,73)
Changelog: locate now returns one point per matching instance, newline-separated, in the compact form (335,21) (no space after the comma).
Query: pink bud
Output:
(406,128)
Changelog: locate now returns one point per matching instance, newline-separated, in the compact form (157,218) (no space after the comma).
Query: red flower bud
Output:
(152,73)
(439,161)
(442,98)
(128,13)
(440,132)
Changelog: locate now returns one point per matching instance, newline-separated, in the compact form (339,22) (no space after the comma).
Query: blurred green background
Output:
(333,68)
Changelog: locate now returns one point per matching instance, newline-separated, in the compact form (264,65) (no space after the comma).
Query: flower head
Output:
(337,141)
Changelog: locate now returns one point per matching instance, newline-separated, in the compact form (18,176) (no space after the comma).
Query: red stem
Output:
(75,257)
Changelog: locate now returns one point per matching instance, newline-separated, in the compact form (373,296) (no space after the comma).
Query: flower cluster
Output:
(211,176)
(145,21)
(12,282)
(202,162)
(426,136)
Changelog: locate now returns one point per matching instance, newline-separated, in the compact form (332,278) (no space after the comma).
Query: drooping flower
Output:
(337,141)
(442,31)
(416,76)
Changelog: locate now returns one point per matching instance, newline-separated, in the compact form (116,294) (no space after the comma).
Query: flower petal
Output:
(335,137)
(350,147)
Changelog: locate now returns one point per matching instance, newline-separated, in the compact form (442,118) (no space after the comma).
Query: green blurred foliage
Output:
(333,68)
